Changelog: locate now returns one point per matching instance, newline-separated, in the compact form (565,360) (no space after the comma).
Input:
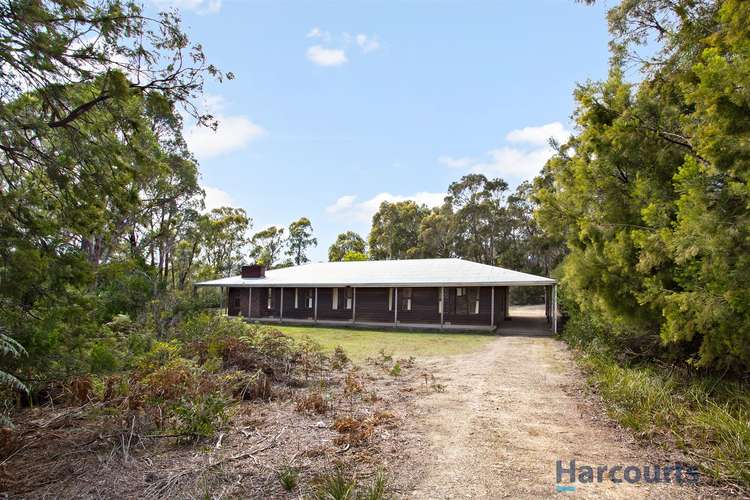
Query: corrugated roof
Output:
(377,273)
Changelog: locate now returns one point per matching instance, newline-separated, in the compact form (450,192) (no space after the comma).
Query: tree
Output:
(437,232)
(352,256)
(224,234)
(345,243)
(299,240)
(395,230)
(481,223)
(652,196)
(95,177)
(266,246)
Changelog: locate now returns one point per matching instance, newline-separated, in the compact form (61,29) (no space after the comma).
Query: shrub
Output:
(314,402)
(396,370)
(334,486)
(288,477)
(201,416)
(338,485)
(339,359)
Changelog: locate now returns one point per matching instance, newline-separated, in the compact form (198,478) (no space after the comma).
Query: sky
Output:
(337,106)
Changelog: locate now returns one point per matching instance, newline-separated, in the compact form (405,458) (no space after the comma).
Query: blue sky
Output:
(337,106)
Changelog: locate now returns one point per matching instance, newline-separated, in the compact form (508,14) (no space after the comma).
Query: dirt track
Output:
(509,412)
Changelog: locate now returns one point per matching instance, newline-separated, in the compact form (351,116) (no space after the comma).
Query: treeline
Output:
(101,214)
(481,220)
(652,195)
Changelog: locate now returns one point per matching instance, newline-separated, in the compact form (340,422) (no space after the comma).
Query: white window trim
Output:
(476,306)
(390,299)
(459,292)
(296,298)
(335,299)
(408,304)
(309,299)
(440,304)
(269,300)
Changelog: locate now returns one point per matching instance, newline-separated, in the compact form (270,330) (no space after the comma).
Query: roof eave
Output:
(379,285)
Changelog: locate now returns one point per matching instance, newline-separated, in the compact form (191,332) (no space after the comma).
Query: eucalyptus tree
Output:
(346,242)
(299,240)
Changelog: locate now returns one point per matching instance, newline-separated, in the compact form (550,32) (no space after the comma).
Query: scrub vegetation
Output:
(107,354)
(651,198)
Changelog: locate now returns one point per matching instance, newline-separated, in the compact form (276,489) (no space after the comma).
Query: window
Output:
(296,298)
(310,293)
(467,301)
(440,301)
(405,299)
(236,302)
(269,301)
(390,299)
(348,297)
(335,299)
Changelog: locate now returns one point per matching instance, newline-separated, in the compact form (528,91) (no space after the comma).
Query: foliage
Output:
(339,485)
(9,347)
(200,417)
(224,233)
(705,415)
(394,233)
(345,244)
(266,246)
(299,240)
(652,196)
(351,256)
(288,477)
(479,220)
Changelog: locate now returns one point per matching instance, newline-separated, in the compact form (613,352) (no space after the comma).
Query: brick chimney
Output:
(254,271)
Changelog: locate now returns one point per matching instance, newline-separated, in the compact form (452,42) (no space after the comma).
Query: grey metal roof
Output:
(380,273)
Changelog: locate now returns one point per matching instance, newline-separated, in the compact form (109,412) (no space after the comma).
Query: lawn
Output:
(360,344)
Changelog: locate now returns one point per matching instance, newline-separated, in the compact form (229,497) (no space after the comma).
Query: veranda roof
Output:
(387,273)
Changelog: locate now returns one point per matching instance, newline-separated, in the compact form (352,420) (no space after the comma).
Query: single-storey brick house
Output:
(419,293)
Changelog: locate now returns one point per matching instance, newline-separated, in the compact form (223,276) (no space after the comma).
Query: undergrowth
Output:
(705,415)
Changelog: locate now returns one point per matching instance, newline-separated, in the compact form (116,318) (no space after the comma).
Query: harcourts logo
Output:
(569,473)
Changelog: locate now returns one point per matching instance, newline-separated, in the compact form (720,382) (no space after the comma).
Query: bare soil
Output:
(510,411)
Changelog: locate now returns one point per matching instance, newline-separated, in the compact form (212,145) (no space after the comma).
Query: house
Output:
(419,293)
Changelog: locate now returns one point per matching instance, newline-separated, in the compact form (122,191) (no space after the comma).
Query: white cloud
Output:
(216,198)
(234,132)
(332,50)
(199,6)
(363,211)
(326,57)
(341,204)
(541,135)
(317,33)
(515,163)
(367,43)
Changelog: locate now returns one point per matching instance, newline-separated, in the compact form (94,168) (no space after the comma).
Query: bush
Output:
(706,414)
(201,416)
(288,477)
(339,485)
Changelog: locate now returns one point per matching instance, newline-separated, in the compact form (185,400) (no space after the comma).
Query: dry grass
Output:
(73,451)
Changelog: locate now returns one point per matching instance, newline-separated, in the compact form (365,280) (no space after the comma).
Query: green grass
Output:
(361,344)
(705,415)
